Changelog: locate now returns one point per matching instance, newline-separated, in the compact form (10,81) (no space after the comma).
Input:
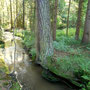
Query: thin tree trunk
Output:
(11,14)
(23,14)
(55,20)
(86,34)
(79,19)
(3,17)
(16,12)
(68,17)
(34,16)
(44,36)
(31,17)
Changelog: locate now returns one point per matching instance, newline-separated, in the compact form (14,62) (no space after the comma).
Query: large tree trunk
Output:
(68,17)
(79,19)
(55,20)
(44,36)
(86,35)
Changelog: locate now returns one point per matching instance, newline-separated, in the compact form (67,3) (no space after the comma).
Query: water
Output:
(28,74)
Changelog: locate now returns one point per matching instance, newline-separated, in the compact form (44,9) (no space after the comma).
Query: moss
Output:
(71,67)
(49,76)
(5,83)
(3,67)
(5,78)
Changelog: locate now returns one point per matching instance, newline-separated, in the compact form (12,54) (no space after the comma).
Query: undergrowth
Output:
(78,56)
(76,60)
(29,43)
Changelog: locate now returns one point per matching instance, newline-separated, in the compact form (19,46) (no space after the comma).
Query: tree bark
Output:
(31,10)
(79,19)
(34,17)
(55,20)
(23,14)
(86,35)
(16,12)
(44,36)
(68,17)
(11,14)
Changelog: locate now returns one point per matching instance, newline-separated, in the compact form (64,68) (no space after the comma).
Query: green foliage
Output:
(62,32)
(33,53)
(73,58)
(79,66)
(63,12)
(64,43)
(15,86)
(18,33)
(49,76)
(28,39)
(29,42)
(88,85)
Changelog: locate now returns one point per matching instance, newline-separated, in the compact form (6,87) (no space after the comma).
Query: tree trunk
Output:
(44,36)
(68,17)
(16,12)
(31,10)
(79,19)
(55,20)
(23,14)
(86,35)
(11,14)
(34,17)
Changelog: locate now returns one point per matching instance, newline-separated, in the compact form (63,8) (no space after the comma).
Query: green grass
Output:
(71,32)
(76,59)
(64,43)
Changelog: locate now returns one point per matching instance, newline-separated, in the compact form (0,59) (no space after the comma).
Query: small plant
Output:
(33,53)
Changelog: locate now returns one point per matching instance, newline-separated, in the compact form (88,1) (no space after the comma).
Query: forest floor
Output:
(71,58)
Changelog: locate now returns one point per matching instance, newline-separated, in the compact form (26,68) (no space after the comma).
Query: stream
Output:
(28,74)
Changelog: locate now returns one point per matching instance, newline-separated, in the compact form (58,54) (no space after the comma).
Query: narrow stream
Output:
(29,74)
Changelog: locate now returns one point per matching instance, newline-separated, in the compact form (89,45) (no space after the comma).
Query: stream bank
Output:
(27,73)
(71,62)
